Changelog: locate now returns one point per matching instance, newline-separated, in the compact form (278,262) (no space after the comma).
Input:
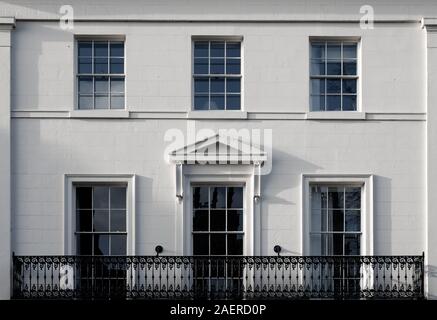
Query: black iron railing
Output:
(169,277)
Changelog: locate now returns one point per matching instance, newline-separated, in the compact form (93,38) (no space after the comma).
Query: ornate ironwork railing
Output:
(170,277)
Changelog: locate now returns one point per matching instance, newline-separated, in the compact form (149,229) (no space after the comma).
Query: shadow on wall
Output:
(431,274)
(382,216)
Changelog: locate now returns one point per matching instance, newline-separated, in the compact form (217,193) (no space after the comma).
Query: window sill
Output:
(117,114)
(217,114)
(336,115)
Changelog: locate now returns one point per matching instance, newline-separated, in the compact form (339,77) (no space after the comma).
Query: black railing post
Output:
(422,274)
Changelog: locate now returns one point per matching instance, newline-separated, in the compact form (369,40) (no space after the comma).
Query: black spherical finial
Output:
(277,249)
(158,250)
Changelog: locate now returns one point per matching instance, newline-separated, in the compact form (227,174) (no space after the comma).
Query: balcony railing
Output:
(186,277)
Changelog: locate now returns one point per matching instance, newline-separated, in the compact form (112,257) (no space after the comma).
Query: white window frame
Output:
(69,207)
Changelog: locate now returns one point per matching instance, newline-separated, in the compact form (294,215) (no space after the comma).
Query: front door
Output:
(218,240)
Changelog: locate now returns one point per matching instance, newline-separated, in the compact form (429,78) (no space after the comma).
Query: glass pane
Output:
(101,84)
(101,49)
(217,66)
(217,49)
(217,102)
(335,197)
(84,244)
(317,86)
(218,85)
(201,102)
(218,220)
(350,51)
(85,65)
(352,245)
(235,220)
(333,86)
(118,245)
(319,220)
(117,65)
(319,196)
(117,49)
(350,86)
(335,220)
(201,48)
(200,197)
(85,102)
(333,68)
(317,103)
(118,197)
(333,103)
(337,243)
(118,220)
(85,49)
(317,67)
(318,50)
(353,197)
(233,102)
(233,66)
(350,68)
(101,197)
(350,103)
(334,51)
(100,65)
(101,245)
(117,102)
(235,197)
(233,49)
(218,244)
(233,85)
(117,85)
(218,197)
(200,220)
(316,245)
(353,220)
(84,220)
(235,244)
(101,220)
(200,244)
(84,197)
(201,85)
(86,85)
(201,66)
(101,102)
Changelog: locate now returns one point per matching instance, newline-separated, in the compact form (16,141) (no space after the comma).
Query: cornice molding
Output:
(7,23)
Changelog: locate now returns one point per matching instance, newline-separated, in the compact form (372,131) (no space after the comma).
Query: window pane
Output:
(86,85)
(101,49)
(317,67)
(218,220)
(84,197)
(200,197)
(233,102)
(233,85)
(349,51)
(201,49)
(84,244)
(336,197)
(101,102)
(201,85)
(337,244)
(350,68)
(200,220)
(200,244)
(333,103)
(317,86)
(217,66)
(101,84)
(235,220)
(85,65)
(318,50)
(235,197)
(101,220)
(217,49)
(117,49)
(233,49)
(101,197)
(201,102)
(118,197)
(349,86)
(316,245)
(118,220)
(350,103)
(352,245)
(101,245)
(100,65)
(335,220)
(85,49)
(117,85)
(118,245)
(117,102)
(218,244)
(317,103)
(217,102)
(218,196)
(218,85)
(201,66)
(353,197)
(233,66)
(117,65)
(334,51)
(235,244)
(319,220)
(85,102)
(334,68)
(333,86)
(84,220)
(353,220)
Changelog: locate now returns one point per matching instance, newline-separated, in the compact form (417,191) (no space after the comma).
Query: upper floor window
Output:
(101,75)
(217,75)
(334,76)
